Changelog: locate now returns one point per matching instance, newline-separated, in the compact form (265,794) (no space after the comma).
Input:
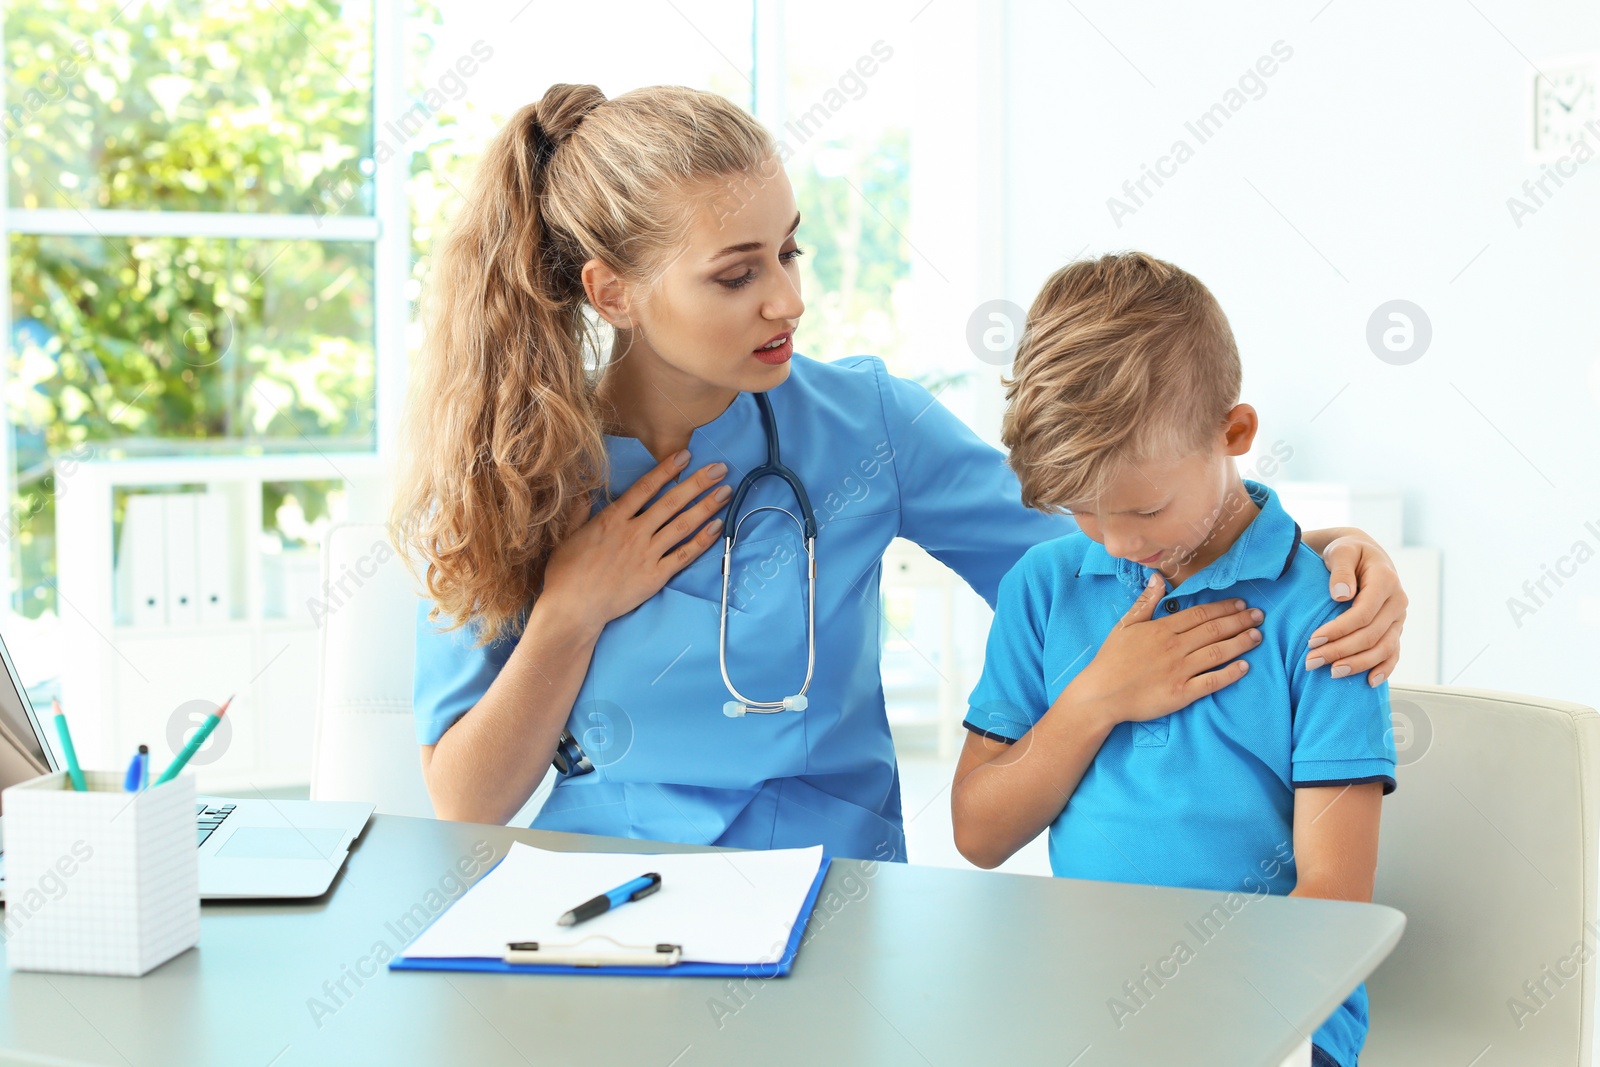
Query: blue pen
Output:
(134,780)
(639,887)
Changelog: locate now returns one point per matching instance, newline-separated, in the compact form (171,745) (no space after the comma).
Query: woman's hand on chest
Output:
(626,552)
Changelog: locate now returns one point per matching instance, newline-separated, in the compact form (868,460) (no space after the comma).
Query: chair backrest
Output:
(365,744)
(1489,847)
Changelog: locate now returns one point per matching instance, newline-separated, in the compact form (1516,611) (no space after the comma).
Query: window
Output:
(853,97)
(192,253)
(841,116)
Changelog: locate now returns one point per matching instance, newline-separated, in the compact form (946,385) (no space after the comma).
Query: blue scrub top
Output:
(880,458)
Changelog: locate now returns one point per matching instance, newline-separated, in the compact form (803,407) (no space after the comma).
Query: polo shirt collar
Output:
(1263,550)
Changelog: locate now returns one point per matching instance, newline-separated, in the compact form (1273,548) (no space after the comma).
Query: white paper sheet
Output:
(722,907)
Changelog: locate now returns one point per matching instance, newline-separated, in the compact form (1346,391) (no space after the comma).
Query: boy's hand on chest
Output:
(1150,666)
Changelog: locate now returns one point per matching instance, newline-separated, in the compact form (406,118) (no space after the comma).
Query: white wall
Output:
(1376,166)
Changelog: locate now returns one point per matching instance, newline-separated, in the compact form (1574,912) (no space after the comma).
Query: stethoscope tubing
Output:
(807,525)
(765,707)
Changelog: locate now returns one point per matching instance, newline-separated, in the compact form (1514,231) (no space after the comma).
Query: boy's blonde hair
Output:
(1124,359)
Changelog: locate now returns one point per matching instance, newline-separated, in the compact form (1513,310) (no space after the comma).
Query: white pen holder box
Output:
(99,882)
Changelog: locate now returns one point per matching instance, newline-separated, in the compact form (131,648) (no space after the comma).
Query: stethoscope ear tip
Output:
(734,709)
(798,702)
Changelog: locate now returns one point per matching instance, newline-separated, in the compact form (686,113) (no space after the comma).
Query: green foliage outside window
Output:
(140,345)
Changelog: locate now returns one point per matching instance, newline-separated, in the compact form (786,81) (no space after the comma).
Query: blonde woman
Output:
(564,501)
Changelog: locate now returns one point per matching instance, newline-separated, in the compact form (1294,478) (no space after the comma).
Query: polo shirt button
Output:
(1171,605)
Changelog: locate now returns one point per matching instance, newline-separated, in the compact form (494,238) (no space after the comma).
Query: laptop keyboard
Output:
(207,818)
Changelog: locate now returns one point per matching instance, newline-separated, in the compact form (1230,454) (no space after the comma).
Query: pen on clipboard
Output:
(628,891)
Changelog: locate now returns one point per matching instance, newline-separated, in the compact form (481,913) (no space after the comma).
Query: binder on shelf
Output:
(142,561)
(183,602)
(718,913)
(173,560)
(212,540)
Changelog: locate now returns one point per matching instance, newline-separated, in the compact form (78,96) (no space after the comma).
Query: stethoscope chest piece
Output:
(735,709)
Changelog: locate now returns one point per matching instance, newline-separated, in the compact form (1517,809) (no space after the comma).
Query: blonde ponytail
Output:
(501,434)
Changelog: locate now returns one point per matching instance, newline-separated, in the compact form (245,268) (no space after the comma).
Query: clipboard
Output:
(578,964)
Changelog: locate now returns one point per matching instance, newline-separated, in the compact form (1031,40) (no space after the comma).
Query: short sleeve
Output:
(1010,695)
(958,497)
(450,675)
(1342,731)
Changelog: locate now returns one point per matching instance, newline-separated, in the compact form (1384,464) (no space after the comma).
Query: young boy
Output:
(1160,740)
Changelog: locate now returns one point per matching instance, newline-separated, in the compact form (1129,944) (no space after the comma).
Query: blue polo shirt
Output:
(1204,797)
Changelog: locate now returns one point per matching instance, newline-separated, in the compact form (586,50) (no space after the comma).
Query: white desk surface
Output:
(904,965)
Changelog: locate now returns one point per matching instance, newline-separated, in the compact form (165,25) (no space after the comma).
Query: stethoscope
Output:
(570,759)
(807,524)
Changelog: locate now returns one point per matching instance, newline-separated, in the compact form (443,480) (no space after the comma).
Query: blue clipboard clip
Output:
(579,954)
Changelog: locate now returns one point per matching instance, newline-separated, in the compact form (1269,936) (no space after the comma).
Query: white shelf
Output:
(124,685)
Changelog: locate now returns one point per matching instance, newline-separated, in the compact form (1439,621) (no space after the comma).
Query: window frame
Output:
(387,229)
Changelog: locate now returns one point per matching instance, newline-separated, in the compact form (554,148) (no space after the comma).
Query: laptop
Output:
(249,848)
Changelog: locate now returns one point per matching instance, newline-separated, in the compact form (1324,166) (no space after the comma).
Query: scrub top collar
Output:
(733,437)
(1264,549)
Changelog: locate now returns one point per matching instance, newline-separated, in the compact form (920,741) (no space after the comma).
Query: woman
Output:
(563,514)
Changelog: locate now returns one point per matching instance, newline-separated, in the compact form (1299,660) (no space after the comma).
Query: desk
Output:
(904,965)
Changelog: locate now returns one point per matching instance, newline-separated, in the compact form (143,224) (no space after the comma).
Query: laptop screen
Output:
(17,730)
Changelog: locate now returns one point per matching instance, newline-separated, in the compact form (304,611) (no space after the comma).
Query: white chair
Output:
(1489,847)
(365,745)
